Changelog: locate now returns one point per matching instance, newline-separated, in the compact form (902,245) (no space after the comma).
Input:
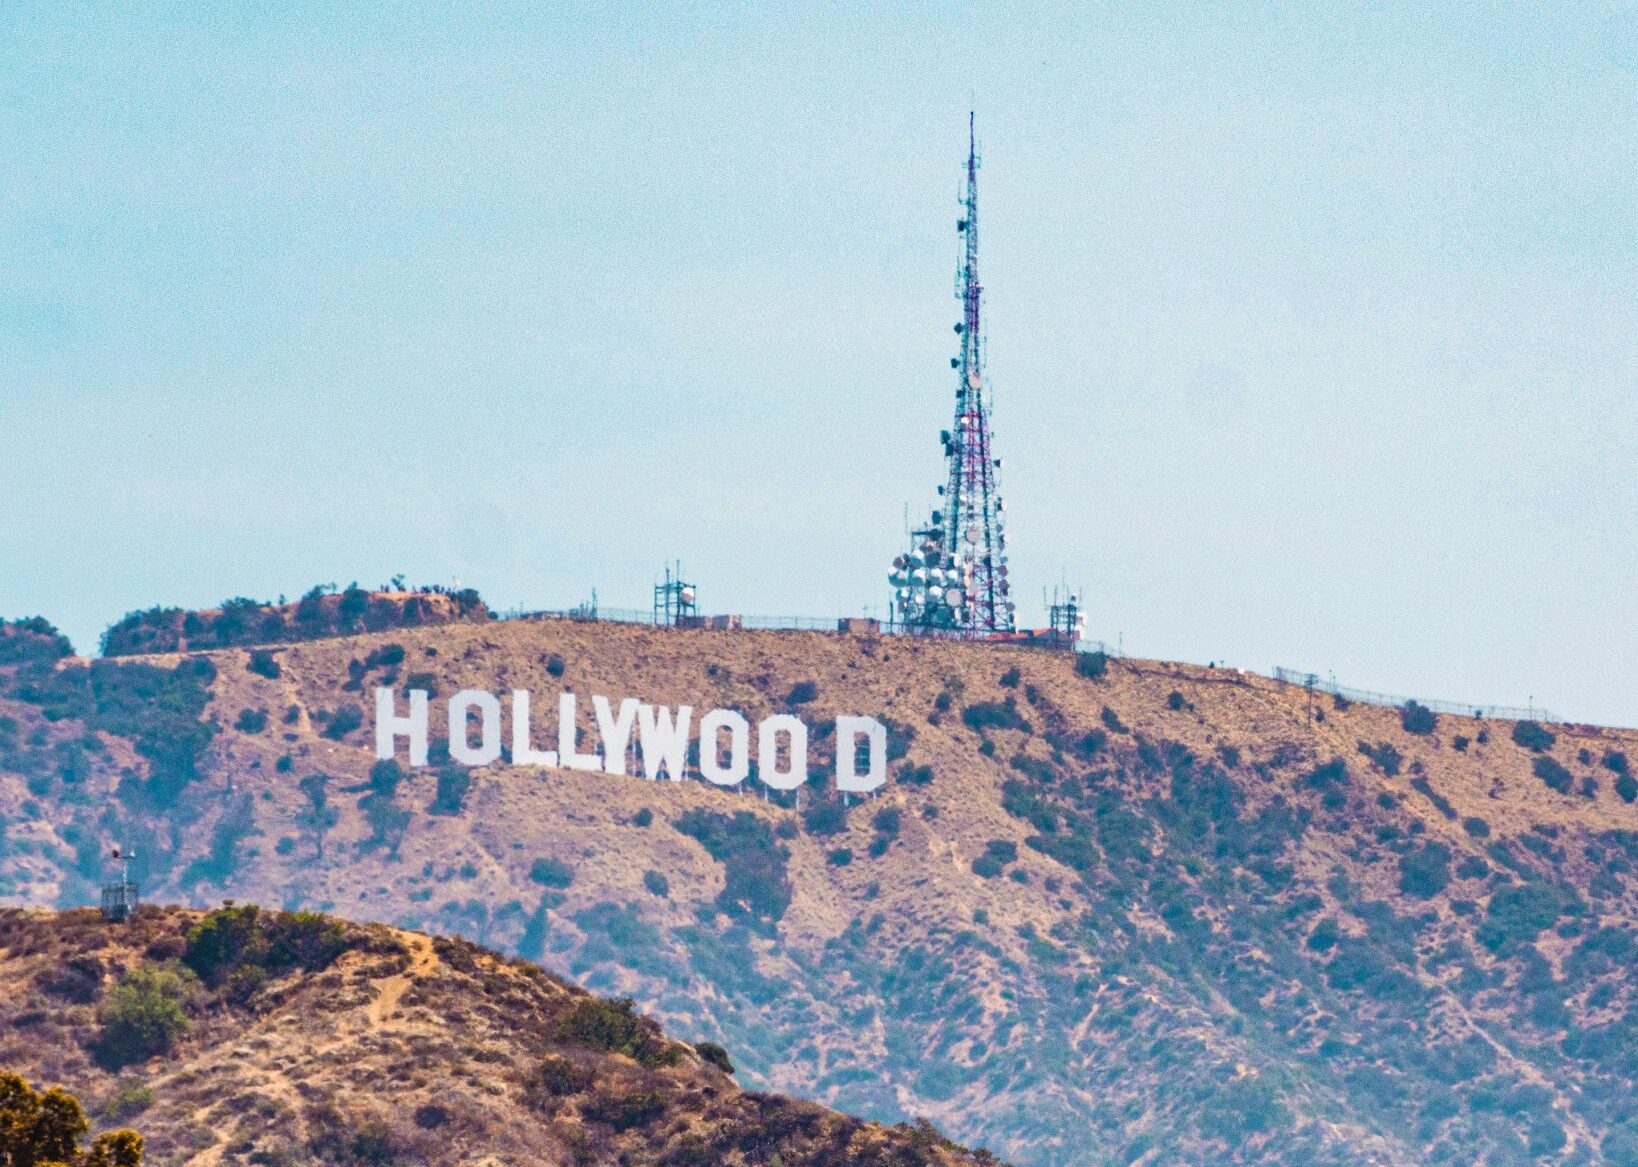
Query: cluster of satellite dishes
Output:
(932,585)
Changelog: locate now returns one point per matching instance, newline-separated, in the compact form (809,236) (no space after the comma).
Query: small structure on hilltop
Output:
(120,898)
(675,602)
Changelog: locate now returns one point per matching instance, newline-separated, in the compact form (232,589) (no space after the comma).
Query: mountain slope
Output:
(366,1045)
(1162,914)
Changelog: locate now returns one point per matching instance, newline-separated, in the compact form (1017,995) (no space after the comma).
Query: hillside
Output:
(299,1040)
(1164,914)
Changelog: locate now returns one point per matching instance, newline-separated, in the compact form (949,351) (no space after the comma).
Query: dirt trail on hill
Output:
(422,961)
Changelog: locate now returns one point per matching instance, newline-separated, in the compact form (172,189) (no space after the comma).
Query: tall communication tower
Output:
(954,577)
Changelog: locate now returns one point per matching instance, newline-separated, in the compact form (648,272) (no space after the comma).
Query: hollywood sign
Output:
(663,736)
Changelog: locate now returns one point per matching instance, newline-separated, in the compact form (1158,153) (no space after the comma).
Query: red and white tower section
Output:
(954,577)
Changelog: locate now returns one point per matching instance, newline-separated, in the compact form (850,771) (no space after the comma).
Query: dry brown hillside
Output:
(1164,914)
(308,1041)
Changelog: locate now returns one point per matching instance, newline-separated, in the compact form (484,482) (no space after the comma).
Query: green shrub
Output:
(1553,774)
(285,764)
(1002,850)
(1440,802)
(1616,762)
(235,938)
(555,665)
(802,692)
(226,938)
(642,818)
(453,783)
(131,1096)
(1425,873)
(251,721)
(1517,915)
(756,887)
(1327,775)
(556,1077)
(343,721)
(615,1027)
(984,715)
(825,818)
(1011,677)
(1533,736)
(624,1112)
(916,775)
(887,821)
(424,682)
(1091,665)
(1627,787)
(713,1054)
(1386,758)
(987,866)
(144,1015)
(264,664)
(551,873)
(1417,718)
(657,884)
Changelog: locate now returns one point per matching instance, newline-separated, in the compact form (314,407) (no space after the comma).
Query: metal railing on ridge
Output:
(1454,708)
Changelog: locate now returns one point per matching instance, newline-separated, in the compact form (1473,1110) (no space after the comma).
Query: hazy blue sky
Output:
(1312,331)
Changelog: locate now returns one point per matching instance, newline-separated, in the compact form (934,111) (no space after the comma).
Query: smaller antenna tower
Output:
(120,899)
(674,600)
(1066,617)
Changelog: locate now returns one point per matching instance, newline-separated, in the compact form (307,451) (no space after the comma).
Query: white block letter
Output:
(848,732)
(664,742)
(615,732)
(460,748)
(523,753)
(767,751)
(739,747)
(389,726)
(571,757)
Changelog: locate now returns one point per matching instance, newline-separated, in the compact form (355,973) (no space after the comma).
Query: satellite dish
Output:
(686,595)
(935,593)
(972,378)
(955,597)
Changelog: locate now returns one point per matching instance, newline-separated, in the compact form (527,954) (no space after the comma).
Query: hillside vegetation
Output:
(1105,912)
(321,612)
(256,1037)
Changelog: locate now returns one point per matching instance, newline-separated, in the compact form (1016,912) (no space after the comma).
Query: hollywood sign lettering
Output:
(663,735)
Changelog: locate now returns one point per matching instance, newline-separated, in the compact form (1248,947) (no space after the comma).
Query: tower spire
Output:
(955,576)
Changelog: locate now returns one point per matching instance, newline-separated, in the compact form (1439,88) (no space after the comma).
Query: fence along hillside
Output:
(1454,708)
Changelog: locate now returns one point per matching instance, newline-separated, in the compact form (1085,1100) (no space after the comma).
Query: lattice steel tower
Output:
(955,575)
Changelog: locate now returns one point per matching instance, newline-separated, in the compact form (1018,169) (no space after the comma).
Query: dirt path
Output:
(422,961)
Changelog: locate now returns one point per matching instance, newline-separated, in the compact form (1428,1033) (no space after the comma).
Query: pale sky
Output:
(1312,331)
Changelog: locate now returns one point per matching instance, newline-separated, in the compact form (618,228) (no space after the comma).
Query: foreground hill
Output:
(251,1037)
(1146,913)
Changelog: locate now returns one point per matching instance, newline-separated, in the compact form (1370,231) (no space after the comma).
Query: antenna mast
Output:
(953,580)
(973,507)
